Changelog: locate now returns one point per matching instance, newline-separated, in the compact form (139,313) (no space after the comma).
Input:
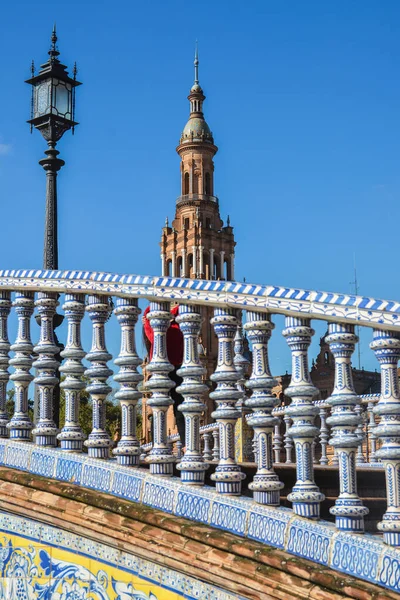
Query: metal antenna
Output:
(355,283)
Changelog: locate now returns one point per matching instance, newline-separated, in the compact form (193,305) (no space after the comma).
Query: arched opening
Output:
(326,358)
(196,184)
(208,184)
(186,184)
(179,266)
(226,273)
(169,268)
(190,265)
(216,274)
(206,265)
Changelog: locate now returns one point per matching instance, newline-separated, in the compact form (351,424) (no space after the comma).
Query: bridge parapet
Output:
(298,531)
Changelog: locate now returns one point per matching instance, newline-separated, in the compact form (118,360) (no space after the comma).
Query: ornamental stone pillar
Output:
(222,264)
(163,273)
(228,476)
(160,458)
(348,510)
(5,307)
(265,485)
(46,365)
(173,263)
(305,496)
(128,361)
(212,263)
(386,345)
(71,436)
(201,260)
(20,426)
(192,465)
(98,442)
(184,260)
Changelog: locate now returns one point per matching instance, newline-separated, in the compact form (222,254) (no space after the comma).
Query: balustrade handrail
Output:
(326,306)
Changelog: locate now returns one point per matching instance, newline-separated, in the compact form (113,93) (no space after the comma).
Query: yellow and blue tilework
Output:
(39,562)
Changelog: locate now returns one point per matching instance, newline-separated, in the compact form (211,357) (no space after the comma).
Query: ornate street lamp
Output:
(52,113)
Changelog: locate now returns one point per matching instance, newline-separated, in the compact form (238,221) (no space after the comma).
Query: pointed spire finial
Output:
(53,52)
(196,64)
(166,222)
(228,221)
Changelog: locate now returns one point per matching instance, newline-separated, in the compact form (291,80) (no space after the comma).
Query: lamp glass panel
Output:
(62,98)
(42,98)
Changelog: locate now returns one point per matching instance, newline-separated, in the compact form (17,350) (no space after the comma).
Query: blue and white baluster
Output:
(265,485)
(192,465)
(127,313)
(349,510)
(305,496)
(386,345)
(5,307)
(20,426)
(161,459)
(241,363)
(46,366)
(71,435)
(228,476)
(98,442)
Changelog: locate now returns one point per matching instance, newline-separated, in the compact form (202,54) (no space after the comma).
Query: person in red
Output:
(175,357)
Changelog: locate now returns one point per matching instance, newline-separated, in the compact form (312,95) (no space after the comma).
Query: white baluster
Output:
(5,307)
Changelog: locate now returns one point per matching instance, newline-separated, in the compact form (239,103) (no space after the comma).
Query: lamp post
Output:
(52,113)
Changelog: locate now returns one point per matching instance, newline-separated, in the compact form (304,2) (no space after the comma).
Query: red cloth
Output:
(174,338)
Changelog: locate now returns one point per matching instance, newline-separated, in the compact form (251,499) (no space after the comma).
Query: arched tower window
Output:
(208,184)
(186,184)
(196,184)
(169,268)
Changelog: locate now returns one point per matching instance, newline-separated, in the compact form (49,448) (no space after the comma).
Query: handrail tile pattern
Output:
(363,310)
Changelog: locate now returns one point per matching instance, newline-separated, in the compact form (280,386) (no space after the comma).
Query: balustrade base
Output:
(192,477)
(20,435)
(128,460)
(71,445)
(268,498)
(350,524)
(103,452)
(311,510)
(46,440)
(392,538)
(162,469)
(228,488)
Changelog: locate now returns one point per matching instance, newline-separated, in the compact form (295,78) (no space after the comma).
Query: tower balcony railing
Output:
(331,432)
(194,197)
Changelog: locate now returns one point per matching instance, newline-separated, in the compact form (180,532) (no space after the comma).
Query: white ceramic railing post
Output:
(349,510)
(5,307)
(228,476)
(192,465)
(46,366)
(305,496)
(324,433)
(277,440)
(71,436)
(207,456)
(161,459)
(98,442)
(20,425)
(128,361)
(386,345)
(288,442)
(215,449)
(371,431)
(265,485)
(360,458)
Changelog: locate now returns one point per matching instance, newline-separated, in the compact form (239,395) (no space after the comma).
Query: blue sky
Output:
(302,98)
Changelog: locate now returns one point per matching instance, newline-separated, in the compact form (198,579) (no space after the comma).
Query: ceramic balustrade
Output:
(278,430)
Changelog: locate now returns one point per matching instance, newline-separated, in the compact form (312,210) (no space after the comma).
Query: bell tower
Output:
(197,244)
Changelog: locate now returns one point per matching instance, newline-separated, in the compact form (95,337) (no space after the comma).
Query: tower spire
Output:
(196,64)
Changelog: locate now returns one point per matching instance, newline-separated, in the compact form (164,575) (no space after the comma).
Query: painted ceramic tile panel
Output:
(33,570)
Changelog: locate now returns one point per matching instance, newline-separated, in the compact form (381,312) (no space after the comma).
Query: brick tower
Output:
(197,245)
